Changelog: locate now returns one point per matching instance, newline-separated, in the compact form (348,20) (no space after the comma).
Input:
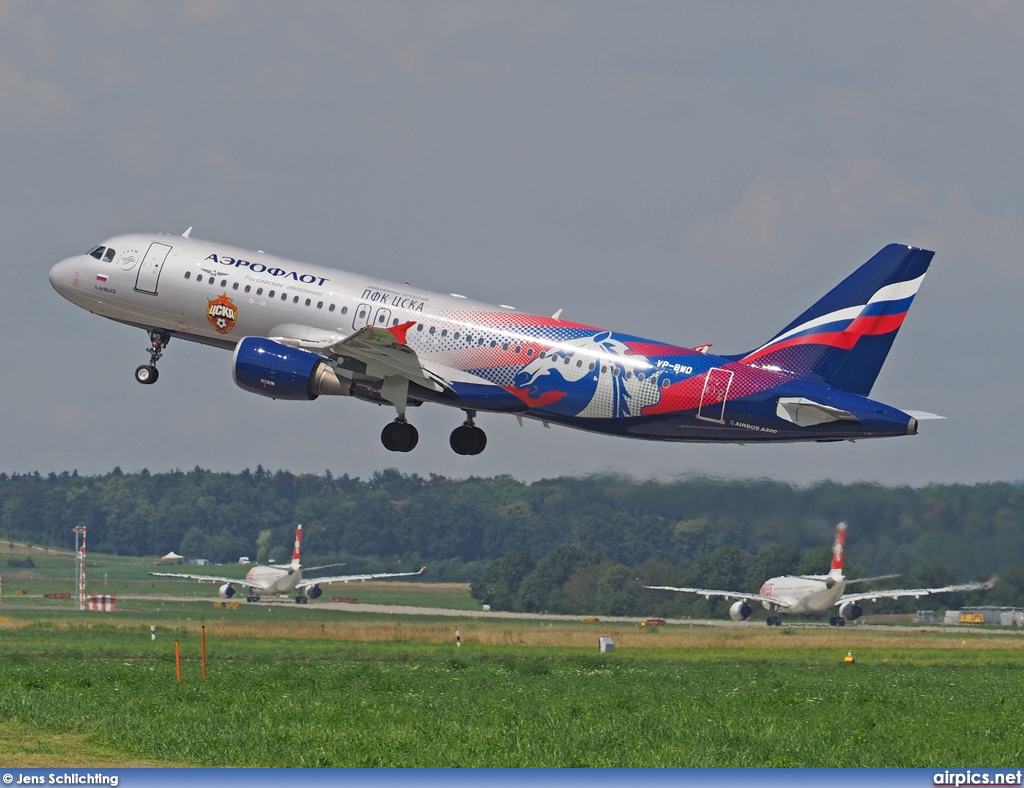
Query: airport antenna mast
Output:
(80,561)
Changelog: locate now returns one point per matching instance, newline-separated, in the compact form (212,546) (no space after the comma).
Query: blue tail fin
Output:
(844,338)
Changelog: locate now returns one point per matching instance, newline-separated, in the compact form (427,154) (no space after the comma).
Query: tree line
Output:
(542,545)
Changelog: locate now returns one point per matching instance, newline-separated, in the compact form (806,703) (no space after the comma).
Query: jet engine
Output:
(740,611)
(227,591)
(272,369)
(314,592)
(851,611)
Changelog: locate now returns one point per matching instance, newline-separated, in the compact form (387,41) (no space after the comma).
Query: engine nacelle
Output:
(851,611)
(314,592)
(272,369)
(227,591)
(740,611)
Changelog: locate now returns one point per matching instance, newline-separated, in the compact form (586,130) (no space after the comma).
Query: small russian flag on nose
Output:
(101,278)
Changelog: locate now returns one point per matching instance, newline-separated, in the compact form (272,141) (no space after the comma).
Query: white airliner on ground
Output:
(282,580)
(811,594)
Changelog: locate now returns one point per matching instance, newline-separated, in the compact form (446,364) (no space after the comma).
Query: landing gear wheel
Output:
(252,598)
(399,436)
(468,440)
(301,600)
(146,374)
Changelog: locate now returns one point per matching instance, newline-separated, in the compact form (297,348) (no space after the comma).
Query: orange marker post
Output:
(177,659)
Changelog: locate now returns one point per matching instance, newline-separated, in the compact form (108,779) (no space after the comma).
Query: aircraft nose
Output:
(65,275)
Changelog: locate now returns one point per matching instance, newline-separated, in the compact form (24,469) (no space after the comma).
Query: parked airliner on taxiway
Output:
(811,594)
(282,580)
(299,330)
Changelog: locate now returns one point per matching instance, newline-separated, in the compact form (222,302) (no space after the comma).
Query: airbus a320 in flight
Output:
(811,594)
(282,580)
(298,331)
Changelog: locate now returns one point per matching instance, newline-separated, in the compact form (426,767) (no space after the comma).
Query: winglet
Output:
(422,570)
(399,332)
(186,234)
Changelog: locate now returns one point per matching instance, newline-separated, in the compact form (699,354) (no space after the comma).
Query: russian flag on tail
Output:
(844,338)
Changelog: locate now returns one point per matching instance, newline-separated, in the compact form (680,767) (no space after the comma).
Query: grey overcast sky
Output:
(687,171)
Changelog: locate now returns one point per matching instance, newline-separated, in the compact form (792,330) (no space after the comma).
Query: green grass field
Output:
(327,701)
(303,685)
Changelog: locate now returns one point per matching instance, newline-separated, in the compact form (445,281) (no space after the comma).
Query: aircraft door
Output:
(361,316)
(382,316)
(716,391)
(152,264)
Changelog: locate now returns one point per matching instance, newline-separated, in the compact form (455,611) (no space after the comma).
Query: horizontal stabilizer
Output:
(923,415)
(804,412)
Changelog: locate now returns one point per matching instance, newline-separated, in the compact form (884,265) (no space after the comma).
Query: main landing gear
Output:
(399,435)
(468,439)
(147,374)
(837,621)
(301,599)
(773,621)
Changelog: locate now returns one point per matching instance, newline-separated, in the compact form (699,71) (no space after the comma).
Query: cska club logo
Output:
(222,314)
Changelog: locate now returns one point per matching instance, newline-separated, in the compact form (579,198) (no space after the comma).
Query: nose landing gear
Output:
(468,439)
(147,374)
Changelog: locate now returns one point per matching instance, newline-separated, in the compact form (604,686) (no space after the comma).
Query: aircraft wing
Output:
(349,578)
(211,578)
(778,602)
(896,593)
(382,350)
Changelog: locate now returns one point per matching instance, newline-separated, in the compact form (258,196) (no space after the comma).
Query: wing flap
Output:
(707,593)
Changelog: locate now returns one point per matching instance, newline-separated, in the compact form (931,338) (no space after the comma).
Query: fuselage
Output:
(806,594)
(274,579)
(496,358)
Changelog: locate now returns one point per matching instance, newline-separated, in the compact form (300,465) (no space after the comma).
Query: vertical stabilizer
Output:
(837,552)
(296,553)
(844,338)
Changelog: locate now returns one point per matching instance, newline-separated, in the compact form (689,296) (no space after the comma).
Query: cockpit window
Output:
(97,252)
(109,255)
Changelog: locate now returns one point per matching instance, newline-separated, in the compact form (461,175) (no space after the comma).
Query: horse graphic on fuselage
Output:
(593,384)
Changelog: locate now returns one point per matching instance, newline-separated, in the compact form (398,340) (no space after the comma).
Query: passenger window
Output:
(591,366)
(223,282)
(518,350)
(394,322)
(259,291)
(248,288)
(331,308)
(97,252)
(109,255)
(529,352)
(234,286)
(444,332)
(319,304)
(504,345)
(579,363)
(419,326)
(308,302)
(284,296)
(641,377)
(344,310)
(455,335)
(295,300)
(270,294)
(494,343)
(665,383)
(431,330)
(211,280)
(188,274)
